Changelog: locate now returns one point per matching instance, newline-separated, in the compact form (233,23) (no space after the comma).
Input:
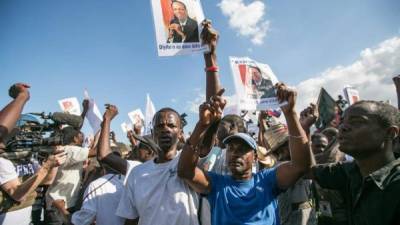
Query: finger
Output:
(220,92)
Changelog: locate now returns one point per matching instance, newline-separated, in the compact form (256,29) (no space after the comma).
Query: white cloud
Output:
(193,105)
(371,74)
(248,19)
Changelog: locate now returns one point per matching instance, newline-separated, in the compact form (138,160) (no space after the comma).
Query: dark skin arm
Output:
(104,150)
(196,178)
(300,151)
(93,147)
(308,117)
(85,106)
(262,123)
(10,114)
(396,81)
(210,37)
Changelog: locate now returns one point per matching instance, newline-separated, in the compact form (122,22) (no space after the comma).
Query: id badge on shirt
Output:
(325,208)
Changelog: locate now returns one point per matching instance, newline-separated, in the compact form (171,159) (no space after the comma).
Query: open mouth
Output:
(165,139)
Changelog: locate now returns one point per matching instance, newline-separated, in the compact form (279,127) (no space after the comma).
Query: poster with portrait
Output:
(254,84)
(351,94)
(178,26)
(137,117)
(70,105)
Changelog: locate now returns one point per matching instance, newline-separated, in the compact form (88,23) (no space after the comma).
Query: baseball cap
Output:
(244,137)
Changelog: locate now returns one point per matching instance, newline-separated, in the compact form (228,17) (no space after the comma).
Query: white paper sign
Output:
(125,127)
(150,112)
(254,84)
(351,95)
(136,116)
(70,105)
(178,26)
(93,114)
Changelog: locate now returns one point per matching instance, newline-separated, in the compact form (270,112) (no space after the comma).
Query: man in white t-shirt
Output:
(153,193)
(101,199)
(63,193)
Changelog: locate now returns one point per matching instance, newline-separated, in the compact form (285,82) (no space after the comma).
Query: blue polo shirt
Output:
(244,202)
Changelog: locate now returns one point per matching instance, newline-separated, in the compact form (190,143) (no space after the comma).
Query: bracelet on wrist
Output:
(212,69)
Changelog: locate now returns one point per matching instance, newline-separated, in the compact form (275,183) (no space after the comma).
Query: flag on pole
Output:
(326,107)
(150,111)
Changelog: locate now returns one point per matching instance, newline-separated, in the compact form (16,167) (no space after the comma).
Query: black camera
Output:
(32,136)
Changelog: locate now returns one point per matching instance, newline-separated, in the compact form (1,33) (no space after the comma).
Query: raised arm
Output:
(300,151)
(104,153)
(10,114)
(210,37)
(85,107)
(196,178)
(308,117)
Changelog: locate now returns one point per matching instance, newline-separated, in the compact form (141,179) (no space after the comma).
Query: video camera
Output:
(32,136)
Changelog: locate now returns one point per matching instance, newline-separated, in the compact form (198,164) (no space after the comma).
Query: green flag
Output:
(326,107)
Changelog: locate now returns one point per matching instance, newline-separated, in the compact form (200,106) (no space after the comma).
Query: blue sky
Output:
(61,47)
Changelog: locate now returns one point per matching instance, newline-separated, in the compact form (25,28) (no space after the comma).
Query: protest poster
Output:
(93,114)
(178,26)
(351,94)
(254,84)
(70,105)
(137,118)
(150,112)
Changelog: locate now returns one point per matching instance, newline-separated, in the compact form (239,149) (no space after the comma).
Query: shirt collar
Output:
(382,176)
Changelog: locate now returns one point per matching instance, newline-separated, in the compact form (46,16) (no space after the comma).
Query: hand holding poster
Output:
(125,127)
(178,26)
(254,83)
(137,118)
(70,105)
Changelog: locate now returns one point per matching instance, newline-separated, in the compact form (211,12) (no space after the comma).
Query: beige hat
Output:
(264,157)
(276,136)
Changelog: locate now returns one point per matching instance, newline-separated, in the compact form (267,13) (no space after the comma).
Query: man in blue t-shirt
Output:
(245,197)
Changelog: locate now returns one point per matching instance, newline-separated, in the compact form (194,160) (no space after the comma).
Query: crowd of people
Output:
(346,173)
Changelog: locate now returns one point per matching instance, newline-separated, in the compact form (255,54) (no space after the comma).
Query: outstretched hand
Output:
(209,36)
(284,93)
(19,89)
(211,110)
(111,112)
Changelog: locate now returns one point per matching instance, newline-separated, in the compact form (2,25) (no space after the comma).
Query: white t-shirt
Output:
(67,181)
(21,216)
(131,164)
(156,195)
(101,200)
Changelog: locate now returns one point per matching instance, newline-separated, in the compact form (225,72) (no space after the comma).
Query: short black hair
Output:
(237,121)
(386,114)
(168,109)
(318,135)
(68,134)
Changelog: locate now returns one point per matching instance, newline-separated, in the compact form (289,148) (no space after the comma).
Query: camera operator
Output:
(18,185)
(62,196)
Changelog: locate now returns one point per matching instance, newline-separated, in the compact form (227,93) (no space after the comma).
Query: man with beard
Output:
(245,197)
(370,184)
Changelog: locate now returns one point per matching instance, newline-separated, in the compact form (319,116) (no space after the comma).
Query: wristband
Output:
(212,69)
